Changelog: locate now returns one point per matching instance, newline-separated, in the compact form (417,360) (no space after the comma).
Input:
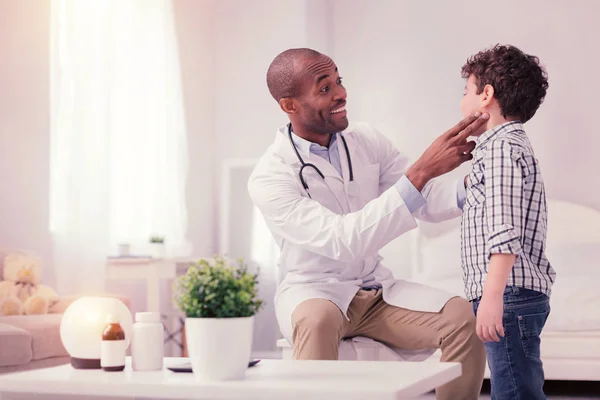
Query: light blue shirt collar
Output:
(305,148)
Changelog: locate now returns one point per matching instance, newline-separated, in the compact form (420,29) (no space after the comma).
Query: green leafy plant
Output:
(217,290)
(157,239)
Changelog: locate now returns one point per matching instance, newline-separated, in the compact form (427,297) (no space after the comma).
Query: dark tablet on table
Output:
(187,366)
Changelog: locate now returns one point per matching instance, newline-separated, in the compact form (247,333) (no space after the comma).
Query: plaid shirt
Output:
(505,212)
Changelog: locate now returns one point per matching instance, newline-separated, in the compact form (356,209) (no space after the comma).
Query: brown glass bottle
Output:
(113,346)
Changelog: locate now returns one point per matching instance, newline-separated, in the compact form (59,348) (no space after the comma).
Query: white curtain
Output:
(118,137)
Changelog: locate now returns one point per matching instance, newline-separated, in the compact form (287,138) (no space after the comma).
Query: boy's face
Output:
(471,101)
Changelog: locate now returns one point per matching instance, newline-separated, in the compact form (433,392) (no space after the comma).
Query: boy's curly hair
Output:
(519,82)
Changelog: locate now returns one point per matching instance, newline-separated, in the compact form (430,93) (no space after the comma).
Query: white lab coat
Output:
(329,244)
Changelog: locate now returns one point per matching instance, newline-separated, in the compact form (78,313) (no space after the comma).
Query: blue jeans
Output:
(516,371)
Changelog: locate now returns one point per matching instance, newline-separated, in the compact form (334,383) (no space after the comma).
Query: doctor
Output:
(333,194)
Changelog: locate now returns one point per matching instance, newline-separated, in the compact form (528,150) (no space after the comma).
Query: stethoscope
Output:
(310,165)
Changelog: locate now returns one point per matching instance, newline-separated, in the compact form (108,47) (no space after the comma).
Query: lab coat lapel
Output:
(332,179)
(359,189)
(348,187)
(343,158)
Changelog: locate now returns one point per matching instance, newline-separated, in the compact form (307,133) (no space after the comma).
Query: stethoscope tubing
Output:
(310,165)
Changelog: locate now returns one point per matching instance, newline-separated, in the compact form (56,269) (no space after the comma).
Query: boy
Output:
(506,273)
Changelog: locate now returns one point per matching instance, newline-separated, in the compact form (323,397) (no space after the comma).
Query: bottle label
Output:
(113,353)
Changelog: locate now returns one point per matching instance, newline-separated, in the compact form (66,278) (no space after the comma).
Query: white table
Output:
(269,380)
(153,272)
(150,270)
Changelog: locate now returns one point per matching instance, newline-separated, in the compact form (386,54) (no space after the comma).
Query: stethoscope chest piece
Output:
(353,189)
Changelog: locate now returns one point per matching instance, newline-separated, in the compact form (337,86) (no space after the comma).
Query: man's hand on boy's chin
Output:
(447,152)
(482,128)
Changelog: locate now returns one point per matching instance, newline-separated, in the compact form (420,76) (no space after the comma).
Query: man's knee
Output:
(317,316)
(460,314)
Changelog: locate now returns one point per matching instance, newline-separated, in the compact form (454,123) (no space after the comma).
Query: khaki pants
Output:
(319,325)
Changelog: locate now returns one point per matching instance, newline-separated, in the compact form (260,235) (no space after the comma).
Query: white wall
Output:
(401,61)
(401,64)
(24,123)
(194,23)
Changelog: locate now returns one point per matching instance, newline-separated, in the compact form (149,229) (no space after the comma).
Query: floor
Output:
(555,390)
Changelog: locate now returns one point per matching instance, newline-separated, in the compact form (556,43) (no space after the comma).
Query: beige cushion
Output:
(45,333)
(15,345)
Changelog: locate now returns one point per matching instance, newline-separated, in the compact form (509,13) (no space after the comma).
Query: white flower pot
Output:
(124,249)
(158,250)
(219,348)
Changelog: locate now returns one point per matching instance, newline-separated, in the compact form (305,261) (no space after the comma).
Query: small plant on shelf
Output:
(157,246)
(157,239)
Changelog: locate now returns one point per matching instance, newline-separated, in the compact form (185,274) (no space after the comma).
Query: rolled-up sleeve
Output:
(503,198)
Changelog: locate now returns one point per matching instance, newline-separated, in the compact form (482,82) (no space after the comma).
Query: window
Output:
(118,138)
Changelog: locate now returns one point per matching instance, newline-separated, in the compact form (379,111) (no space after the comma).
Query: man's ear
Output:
(288,105)
(487,95)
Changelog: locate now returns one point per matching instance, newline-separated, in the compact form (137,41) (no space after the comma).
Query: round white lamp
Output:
(82,325)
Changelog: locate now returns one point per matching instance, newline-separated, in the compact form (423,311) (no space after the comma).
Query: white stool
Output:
(365,349)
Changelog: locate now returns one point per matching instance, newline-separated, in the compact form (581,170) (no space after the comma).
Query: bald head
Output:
(308,88)
(283,77)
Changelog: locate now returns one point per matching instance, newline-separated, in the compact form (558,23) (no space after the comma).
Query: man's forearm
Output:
(498,273)
(418,177)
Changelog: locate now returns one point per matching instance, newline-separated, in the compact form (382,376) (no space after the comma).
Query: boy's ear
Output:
(487,95)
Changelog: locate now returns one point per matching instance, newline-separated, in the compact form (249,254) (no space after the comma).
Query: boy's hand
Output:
(491,306)
(489,318)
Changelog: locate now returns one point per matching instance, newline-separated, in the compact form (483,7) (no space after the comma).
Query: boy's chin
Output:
(468,114)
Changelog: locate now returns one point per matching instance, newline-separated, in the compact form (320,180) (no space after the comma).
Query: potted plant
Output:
(219,300)
(158,246)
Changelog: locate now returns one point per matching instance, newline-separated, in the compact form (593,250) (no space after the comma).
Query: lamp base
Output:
(85,363)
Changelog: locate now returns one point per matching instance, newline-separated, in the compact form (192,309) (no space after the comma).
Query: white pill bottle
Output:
(147,342)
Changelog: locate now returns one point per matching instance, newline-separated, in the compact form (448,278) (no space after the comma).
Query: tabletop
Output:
(270,379)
